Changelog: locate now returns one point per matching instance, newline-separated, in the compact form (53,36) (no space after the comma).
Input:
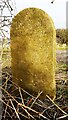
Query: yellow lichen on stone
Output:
(33,45)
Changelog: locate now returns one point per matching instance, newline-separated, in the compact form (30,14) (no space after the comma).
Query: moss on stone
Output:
(33,46)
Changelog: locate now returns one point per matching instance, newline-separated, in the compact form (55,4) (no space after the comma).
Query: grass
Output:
(61,47)
(16,106)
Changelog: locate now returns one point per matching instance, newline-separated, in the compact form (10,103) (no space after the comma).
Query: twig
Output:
(30,95)
(21,105)
(8,114)
(35,99)
(7,79)
(62,117)
(59,97)
(12,109)
(55,115)
(15,109)
(47,108)
(23,115)
(25,107)
(56,105)
(6,110)
(43,105)
(24,104)
(29,115)
(44,117)
(21,95)
(6,104)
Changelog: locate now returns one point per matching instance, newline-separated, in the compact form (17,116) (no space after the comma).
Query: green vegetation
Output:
(62,36)
(61,47)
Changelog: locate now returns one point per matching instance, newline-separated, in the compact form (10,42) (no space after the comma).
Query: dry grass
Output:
(24,106)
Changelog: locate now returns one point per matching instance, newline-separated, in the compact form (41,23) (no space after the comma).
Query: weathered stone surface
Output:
(33,41)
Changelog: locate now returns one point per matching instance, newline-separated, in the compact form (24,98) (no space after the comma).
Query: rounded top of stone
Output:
(30,20)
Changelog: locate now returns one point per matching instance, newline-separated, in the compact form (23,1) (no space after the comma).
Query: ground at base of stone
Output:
(32,107)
